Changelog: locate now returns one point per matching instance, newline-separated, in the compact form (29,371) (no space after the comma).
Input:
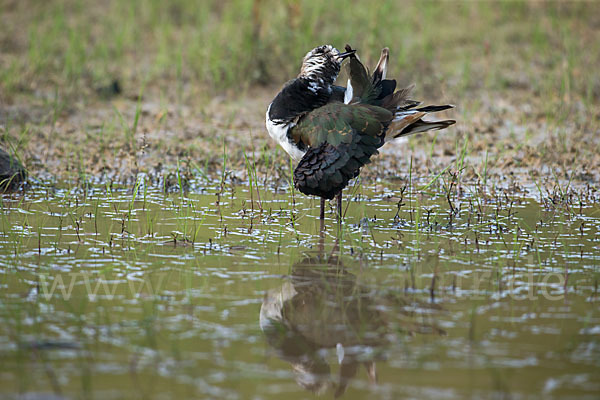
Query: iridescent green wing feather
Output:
(341,139)
(336,123)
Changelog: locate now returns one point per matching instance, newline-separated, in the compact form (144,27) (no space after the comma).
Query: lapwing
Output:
(332,131)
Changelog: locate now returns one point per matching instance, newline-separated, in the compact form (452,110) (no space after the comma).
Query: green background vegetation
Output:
(231,44)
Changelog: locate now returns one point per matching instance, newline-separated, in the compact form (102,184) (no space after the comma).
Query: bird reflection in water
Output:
(321,309)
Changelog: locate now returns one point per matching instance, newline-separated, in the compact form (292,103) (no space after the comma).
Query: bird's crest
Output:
(360,88)
(366,89)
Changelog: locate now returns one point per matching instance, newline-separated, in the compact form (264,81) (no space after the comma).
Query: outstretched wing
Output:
(382,92)
(341,138)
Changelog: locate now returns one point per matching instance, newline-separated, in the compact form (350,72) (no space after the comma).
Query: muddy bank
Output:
(115,139)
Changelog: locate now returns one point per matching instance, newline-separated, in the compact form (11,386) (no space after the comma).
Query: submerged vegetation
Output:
(134,290)
(159,219)
(115,88)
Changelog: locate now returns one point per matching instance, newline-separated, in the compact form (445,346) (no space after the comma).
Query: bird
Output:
(332,131)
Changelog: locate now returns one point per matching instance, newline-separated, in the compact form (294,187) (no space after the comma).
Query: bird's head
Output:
(323,64)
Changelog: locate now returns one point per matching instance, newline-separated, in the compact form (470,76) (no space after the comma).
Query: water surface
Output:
(121,293)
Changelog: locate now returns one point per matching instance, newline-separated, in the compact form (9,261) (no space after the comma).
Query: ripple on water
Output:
(171,292)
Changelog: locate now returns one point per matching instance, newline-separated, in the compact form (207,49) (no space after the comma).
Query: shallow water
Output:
(122,293)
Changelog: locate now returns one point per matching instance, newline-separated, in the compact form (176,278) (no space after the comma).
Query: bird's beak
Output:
(345,54)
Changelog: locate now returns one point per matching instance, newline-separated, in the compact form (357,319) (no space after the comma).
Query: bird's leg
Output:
(322,219)
(321,241)
(339,206)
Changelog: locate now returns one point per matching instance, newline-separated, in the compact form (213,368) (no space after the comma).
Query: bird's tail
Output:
(408,120)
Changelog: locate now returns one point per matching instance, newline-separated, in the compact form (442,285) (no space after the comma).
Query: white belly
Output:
(279,133)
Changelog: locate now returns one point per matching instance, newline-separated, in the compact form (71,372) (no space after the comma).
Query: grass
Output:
(247,42)
(75,47)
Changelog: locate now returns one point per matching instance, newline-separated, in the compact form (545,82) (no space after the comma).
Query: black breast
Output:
(297,97)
